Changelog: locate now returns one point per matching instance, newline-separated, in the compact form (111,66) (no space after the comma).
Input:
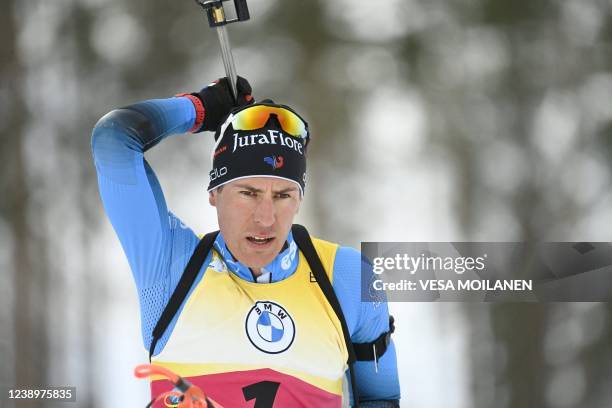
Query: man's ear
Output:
(212,198)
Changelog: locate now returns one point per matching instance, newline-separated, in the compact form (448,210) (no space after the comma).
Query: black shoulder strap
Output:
(189,275)
(304,243)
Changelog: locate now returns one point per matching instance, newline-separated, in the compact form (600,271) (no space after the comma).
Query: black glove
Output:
(218,101)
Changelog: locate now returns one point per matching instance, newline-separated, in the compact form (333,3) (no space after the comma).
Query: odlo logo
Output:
(269,327)
(216,173)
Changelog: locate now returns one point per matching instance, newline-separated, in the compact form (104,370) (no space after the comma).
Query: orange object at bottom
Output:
(183,395)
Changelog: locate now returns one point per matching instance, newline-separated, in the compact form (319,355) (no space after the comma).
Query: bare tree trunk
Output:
(29,291)
(597,357)
(519,331)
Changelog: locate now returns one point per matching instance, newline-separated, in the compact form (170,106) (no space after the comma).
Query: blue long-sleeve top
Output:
(158,245)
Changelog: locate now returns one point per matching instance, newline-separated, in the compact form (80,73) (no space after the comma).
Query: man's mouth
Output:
(259,240)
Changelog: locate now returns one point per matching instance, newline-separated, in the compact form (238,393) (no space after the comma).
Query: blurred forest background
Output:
(432,120)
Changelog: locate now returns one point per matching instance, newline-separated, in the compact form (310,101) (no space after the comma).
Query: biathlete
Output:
(259,313)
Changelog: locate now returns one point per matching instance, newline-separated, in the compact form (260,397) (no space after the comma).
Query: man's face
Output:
(255,215)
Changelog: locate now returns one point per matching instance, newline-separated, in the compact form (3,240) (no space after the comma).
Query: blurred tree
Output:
(597,357)
(29,257)
(518,334)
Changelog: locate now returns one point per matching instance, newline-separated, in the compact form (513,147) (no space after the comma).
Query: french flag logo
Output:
(275,161)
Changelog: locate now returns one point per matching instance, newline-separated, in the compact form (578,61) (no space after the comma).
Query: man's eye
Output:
(283,195)
(247,193)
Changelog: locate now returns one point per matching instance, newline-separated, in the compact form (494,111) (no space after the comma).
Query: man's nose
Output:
(265,213)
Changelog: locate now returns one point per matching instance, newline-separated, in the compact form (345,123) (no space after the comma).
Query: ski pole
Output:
(217,18)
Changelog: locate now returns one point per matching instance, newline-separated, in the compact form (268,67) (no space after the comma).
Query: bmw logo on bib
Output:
(269,327)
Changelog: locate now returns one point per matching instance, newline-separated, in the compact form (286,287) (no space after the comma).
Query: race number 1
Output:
(263,392)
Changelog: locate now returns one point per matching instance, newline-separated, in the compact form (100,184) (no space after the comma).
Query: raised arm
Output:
(157,245)
(130,192)
(129,189)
